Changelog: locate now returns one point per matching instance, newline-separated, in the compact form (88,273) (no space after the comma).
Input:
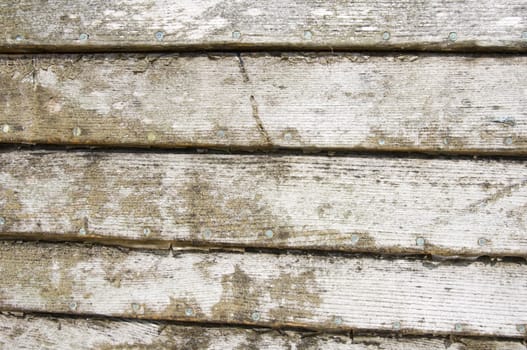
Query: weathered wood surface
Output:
(423,103)
(405,205)
(410,296)
(219,24)
(63,333)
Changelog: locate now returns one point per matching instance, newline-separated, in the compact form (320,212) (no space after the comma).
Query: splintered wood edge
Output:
(211,24)
(350,204)
(310,292)
(98,334)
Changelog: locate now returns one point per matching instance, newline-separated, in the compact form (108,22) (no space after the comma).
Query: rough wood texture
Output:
(407,205)
(409,296)
(422,103)
(67,334)
(362,24)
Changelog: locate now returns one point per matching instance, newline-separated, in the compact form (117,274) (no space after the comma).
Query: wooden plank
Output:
(65,333)
(409,296)
(423,103)
(362,24)
(361,204)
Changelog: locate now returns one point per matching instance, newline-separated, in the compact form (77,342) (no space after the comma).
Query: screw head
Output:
(2,221)
(308,35)
(72,305)
(189,311)
(159,35)
(385,36)
(420,242)
(255,316)
(236,35)
(82,231)
(6,128)
(269,234)
(508,141)
(83,36)
(396,325)
(354,239)
(77,131)
(452,36)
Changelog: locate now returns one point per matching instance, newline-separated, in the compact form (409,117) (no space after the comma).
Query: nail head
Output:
(508,141)
(146,231)
(458,327)
(354,239)
(308,35)
(452,36)
(6,128)
(135,307)
(82,231)
(521,328)
(221,133)
(269,234)
(207,233)
(482,241)
(77,131)
(19,38)
(83,36)
(2,221)
(420,241)
(73,305)
(255,316)
(159,35)
(236,34)
(288,137)
(338,320)
(386,36)
(189,311)
(396,325)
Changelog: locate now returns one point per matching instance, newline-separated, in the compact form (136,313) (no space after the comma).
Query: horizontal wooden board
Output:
(395,205)
(408,296)
(65,333)
(422,103)
(61,25)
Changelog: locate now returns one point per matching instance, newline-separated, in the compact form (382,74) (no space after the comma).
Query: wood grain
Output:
(30,25)
(65,334)
(362,204)
(419,103)
(409,296)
